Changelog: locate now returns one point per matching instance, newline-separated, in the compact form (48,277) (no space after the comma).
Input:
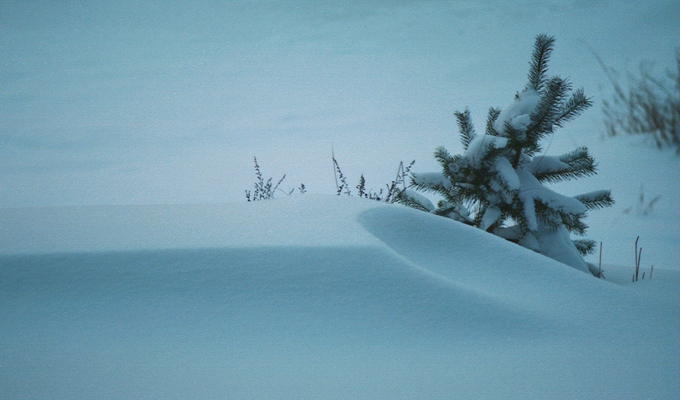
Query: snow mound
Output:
(311,296)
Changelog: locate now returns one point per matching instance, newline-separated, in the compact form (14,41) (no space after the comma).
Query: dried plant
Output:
(648,105)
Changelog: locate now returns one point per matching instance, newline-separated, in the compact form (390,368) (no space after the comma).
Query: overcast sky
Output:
(123,102)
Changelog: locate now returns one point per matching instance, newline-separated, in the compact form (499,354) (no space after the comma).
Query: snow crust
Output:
(314,296)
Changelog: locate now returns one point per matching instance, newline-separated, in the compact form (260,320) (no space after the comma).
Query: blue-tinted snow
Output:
(318,296)
(126,102)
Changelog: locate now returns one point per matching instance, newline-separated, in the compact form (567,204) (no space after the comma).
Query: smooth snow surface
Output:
(314,297)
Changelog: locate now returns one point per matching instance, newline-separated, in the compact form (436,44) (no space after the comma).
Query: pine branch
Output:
(451,166)
(467,129)
(553,218)
(492,153)
(573,107)
(585,246)
(477,220)
(403,198)
(539,61)
(505,191)
(596,200)
(548,109)
(573,223)
(458,170)
(580,157)
(443,156)
(582,164)
(576,164)
(453,211)
(491,120)
(430,185)
(517,141)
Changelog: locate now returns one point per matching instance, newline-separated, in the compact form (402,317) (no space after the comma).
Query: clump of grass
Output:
(638,257)
(388,195)
(643,207)
(649,105)
(265,190)
(341,184)
(600,272)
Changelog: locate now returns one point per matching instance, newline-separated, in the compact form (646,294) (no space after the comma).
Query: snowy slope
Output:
(313,297)
(644,184)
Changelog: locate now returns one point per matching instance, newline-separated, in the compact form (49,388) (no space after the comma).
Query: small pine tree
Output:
(498,183)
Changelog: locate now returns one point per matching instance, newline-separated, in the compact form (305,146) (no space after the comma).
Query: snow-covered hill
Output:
(314,297)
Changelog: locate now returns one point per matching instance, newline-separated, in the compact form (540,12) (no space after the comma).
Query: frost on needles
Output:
(498,183)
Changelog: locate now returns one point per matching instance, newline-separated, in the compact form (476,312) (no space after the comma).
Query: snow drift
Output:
(313,296)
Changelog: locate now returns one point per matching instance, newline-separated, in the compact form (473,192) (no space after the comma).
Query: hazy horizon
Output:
(151,102)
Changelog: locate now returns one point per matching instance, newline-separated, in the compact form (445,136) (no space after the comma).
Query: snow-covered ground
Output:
(109,107)
(314,296)
(646,188)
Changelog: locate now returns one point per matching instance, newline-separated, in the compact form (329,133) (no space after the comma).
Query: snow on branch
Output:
(575,164)
(596,200)
(432,181)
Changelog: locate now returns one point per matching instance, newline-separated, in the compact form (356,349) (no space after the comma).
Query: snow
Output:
(431,179)
(480,145)
(591,196)
(314,296)
(518,113)
(505,170)
(636,173)
(491,215)
(419,199)
(543,164)
(532,190)
(557,244)
(125,102)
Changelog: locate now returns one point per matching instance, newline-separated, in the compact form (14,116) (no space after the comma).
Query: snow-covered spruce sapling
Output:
(498,184)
